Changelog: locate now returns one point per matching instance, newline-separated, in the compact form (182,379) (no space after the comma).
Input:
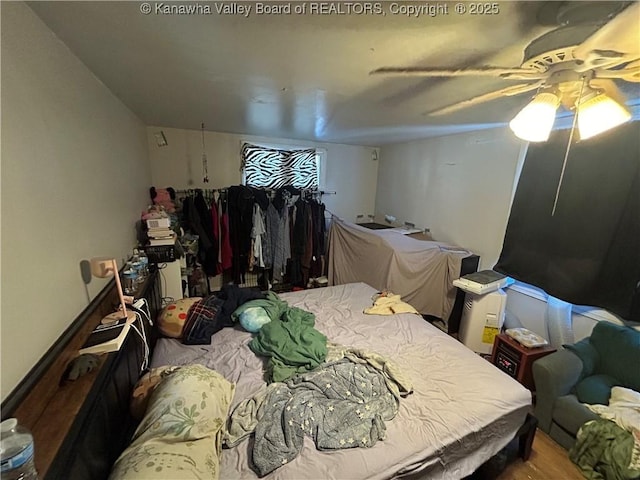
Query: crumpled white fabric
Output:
(387,303)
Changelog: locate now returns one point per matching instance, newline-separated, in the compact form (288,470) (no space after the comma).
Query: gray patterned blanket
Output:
(341,404)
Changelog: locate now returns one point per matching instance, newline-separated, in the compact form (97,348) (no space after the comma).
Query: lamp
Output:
(103,267)
(535,121)
(598,113)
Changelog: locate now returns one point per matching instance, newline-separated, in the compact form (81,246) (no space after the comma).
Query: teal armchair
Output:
(584,373)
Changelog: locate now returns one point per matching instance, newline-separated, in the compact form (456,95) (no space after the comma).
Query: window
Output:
(265,167)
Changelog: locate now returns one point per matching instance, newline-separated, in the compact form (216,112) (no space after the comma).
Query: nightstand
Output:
(515,359)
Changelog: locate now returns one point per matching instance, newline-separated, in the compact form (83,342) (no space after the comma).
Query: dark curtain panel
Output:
(588,253)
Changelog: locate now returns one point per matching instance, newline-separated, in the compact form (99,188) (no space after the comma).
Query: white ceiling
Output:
(298,76)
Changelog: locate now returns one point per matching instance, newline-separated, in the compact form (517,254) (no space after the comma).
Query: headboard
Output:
(81,427)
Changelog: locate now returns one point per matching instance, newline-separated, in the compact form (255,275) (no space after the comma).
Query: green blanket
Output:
(603,451)
(292,344)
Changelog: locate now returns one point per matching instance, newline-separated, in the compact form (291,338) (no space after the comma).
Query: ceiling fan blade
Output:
(630,73)
(621,36)
(487,71)
(505,92)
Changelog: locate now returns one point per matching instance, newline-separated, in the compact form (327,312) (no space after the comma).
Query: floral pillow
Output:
(180,435)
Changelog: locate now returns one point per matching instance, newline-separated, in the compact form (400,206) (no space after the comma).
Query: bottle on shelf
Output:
(16,452)
(130,281)
(137,267)
(144,261)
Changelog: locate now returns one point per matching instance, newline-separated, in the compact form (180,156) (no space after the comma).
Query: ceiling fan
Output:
(569,65)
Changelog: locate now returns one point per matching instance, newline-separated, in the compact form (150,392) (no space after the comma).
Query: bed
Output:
(421,271)
(461,412)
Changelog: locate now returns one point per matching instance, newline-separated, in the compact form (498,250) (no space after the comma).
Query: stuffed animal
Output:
(154,211)
(164,197)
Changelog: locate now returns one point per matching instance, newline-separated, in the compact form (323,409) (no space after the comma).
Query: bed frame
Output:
(81,427)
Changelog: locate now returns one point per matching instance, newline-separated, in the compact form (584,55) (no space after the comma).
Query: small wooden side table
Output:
(515,359)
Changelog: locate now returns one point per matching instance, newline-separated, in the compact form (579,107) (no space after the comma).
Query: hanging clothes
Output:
(272,222)
(197,219)
(282,245)
(279,234)
(225,253)
(215,221)
(319,232)
(257,233)
(240,225)
(298,244)
(308,245)
(209,250)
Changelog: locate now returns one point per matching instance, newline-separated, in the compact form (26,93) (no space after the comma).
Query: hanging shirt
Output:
(226,253)
(282,251)
(257,232)
(215,221)
(272,224)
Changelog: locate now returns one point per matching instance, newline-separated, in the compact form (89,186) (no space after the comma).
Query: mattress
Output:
(462,410)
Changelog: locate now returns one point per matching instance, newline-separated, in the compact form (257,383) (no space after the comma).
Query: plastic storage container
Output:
(16,452)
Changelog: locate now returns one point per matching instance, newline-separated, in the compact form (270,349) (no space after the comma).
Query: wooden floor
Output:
(548,461)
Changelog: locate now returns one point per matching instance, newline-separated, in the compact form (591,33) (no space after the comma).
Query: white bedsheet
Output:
(463,410)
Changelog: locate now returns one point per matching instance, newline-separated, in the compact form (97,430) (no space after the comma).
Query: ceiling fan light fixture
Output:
(534,122)
(598,114)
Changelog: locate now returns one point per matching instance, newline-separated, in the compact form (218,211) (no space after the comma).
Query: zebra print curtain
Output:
(271,168)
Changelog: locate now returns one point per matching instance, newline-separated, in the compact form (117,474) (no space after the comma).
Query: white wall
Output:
(75,174)
(458,186)
(348,170)
(528,306)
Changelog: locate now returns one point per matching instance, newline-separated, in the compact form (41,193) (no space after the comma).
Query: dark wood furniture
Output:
(516,359)
(81,427)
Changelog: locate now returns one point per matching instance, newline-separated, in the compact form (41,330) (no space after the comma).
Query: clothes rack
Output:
(234,246)
(207,193)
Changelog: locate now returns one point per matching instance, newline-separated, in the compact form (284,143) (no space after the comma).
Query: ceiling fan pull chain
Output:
(566,153)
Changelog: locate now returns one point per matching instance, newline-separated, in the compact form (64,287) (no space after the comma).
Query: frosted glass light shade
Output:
(535,121)
(599,114)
